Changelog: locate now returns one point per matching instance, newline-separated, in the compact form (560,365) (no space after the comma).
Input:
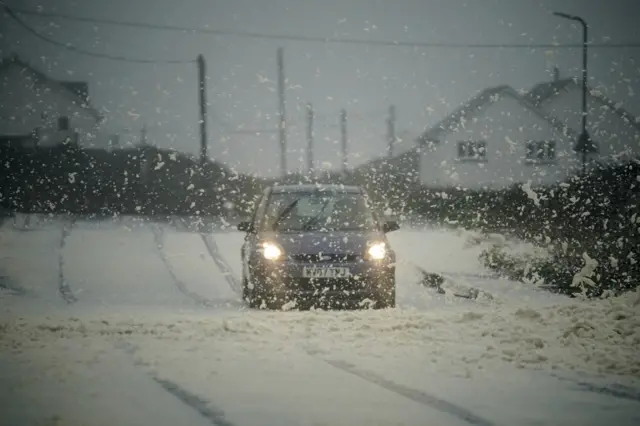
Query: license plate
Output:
(327,272)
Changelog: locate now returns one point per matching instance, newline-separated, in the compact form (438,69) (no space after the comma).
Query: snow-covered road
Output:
(133,322)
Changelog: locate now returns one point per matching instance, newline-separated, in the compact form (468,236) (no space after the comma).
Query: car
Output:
(317,244)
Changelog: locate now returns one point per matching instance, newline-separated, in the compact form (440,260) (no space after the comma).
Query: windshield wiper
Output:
(316,217)
(284,212)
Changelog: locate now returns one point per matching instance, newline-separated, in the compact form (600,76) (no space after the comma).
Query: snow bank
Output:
(454,257)
(597,337)
(437,251)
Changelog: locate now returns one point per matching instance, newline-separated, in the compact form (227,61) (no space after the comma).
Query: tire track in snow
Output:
(205,408)
(179,223)
(158,235)
(214,252)
(415,395)
(63,285)
(614,390)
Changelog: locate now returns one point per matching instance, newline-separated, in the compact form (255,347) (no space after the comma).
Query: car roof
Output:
(316,187)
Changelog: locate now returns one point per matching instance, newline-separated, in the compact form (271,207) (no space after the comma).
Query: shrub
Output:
(137,181)
(597,215)
(568,271)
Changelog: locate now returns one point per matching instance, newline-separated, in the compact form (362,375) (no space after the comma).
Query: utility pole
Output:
(391,130)
(143,135)
(282,113)
(343,133)
(310,139)
(585,144)
(202,75)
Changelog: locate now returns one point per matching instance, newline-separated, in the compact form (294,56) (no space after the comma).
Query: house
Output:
(36,110)
(614,131)
(496,139)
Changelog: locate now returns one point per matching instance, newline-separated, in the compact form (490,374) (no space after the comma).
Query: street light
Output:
(584,144)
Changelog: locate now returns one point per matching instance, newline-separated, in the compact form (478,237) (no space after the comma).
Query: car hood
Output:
(324,242)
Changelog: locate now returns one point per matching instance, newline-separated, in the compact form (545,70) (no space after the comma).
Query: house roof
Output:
(75,91)
(545,91)
(294,188)
(478,104)
(380,161)
(80,88)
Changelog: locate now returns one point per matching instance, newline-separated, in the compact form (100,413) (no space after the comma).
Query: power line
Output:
(334,40)
(75,49)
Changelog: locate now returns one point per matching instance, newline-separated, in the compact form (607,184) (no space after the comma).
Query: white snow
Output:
(435,359)
(454,255)
(189,259)
(118,268)
(438,251)
(256,364)
(83,382)
(29,265)
(230,245)
(526,187)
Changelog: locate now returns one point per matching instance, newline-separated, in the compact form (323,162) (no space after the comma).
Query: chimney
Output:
(556,74)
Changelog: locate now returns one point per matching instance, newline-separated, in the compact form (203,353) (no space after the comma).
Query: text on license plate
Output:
(327,272)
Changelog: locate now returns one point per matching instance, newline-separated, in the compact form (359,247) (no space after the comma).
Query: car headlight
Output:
(377,251)
(271,251)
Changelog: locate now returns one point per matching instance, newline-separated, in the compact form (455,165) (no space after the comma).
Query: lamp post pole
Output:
(584,141)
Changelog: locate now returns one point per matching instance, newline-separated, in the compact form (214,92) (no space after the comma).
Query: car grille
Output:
(325,258)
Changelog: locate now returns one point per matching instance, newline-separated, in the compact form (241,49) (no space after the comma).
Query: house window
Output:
(472,151)
(541,151)
(63,123)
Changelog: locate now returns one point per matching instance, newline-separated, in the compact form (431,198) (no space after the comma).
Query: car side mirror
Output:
(390,226)
(245,226)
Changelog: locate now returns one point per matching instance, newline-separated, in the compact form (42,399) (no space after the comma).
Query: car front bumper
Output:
(367,279)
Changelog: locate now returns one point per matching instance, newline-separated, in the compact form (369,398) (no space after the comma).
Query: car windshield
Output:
(318,211)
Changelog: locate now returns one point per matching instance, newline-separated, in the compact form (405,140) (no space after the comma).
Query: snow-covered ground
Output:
(454,255)
(129,322)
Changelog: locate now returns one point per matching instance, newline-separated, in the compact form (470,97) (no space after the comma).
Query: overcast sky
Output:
(423,83)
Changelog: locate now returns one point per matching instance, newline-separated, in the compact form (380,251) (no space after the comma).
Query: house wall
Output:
(432,159)
(614,134)
(505,125)
(25,98)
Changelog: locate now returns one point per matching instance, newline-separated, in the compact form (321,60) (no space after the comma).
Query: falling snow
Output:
(481,267)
